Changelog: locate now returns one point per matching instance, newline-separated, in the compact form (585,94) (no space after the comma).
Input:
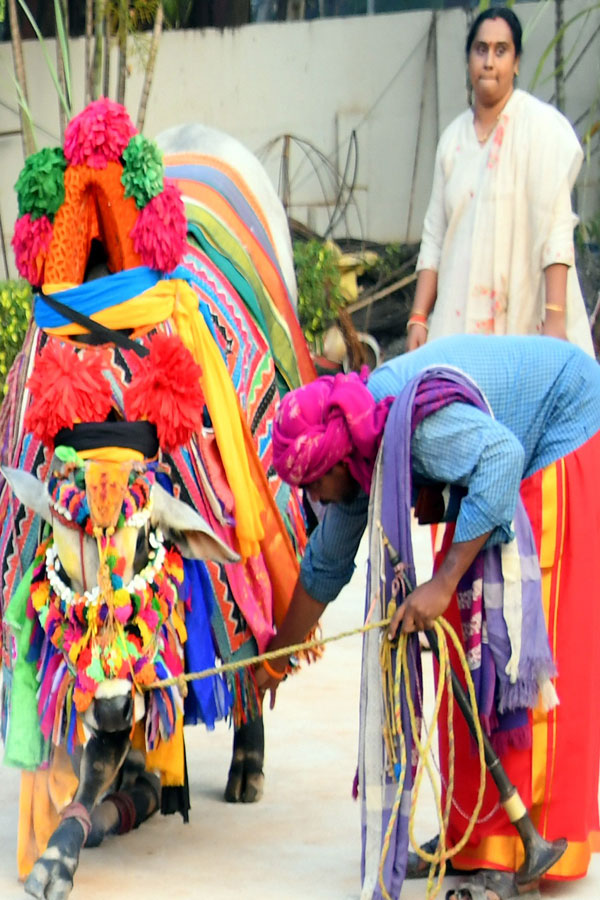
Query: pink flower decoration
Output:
(123,613)
(98,135)
(159,234)
(31,242)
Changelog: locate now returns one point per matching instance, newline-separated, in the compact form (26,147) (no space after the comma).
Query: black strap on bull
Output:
(84,436)
(104,334)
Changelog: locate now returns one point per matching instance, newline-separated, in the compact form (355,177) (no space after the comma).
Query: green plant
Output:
(319,294)
(390,259)
(15,312)
(588,233)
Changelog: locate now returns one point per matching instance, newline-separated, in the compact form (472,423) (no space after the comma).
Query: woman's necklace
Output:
(482,140)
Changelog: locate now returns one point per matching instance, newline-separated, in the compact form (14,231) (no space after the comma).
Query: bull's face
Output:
(106,589)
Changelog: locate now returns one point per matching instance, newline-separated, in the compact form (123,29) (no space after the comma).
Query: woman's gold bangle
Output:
(553,308)
(418,319)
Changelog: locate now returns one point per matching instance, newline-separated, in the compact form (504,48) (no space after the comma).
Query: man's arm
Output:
(303,614)
(327,566)
(462,445)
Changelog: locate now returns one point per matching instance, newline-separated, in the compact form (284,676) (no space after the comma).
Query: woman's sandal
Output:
(503,884)
(416,867)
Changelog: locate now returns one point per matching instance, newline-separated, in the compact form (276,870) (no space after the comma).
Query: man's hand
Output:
(420,608)
(268,682)
(430,600)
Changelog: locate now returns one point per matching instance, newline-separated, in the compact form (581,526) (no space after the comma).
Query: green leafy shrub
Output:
(390,259)
(319,294)
(15,312)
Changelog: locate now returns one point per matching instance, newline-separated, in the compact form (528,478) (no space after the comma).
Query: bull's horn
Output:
(30,491)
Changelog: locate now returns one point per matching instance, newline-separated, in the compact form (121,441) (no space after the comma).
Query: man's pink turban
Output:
(330,420)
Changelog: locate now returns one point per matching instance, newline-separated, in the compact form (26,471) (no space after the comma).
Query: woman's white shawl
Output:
(498,215)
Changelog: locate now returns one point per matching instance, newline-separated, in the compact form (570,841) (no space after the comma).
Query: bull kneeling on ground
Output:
(104,594)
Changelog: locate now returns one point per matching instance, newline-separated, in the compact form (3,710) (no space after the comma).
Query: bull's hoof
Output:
(245,781)
(50,879)
(253,789)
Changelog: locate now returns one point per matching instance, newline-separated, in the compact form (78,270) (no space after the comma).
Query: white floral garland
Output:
(91,598)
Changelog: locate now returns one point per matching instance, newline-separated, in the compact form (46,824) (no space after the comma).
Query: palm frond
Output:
(49,63)
(64,49)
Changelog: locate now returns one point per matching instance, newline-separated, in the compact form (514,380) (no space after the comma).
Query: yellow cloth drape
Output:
(168,758)
(176,299)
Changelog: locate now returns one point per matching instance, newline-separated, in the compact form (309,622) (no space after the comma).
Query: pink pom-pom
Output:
(31,242)
(98,135)
(159,235)
(165,390)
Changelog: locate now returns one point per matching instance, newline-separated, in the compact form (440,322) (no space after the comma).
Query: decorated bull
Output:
(144,531)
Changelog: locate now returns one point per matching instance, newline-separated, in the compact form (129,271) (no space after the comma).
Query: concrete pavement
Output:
(301,842)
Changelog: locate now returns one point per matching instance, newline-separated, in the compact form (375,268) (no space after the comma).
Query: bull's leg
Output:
(52,876)
(137,798)
(245,781)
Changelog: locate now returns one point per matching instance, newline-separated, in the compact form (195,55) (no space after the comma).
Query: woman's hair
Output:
(497,12)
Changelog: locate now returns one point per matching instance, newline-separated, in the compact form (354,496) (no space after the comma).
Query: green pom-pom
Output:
(69,455)
(41,184)
(142,175)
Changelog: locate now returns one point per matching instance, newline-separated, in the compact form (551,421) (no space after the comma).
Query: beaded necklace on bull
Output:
(113,630)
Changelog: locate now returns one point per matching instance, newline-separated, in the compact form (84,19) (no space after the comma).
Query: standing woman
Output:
(497,254)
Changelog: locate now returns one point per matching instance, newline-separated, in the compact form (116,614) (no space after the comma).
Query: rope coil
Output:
(394,679)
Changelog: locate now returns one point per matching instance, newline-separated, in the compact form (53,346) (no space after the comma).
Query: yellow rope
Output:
(271,654)
(440,857)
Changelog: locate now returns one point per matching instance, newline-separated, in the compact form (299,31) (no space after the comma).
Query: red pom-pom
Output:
(66,387)
(165,390)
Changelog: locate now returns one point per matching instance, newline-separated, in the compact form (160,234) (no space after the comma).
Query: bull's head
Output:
(105,589)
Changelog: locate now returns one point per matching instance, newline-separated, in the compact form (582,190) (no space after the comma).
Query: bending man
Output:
(509,424)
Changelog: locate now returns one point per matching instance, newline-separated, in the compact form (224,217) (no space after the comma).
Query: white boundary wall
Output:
(317,81)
